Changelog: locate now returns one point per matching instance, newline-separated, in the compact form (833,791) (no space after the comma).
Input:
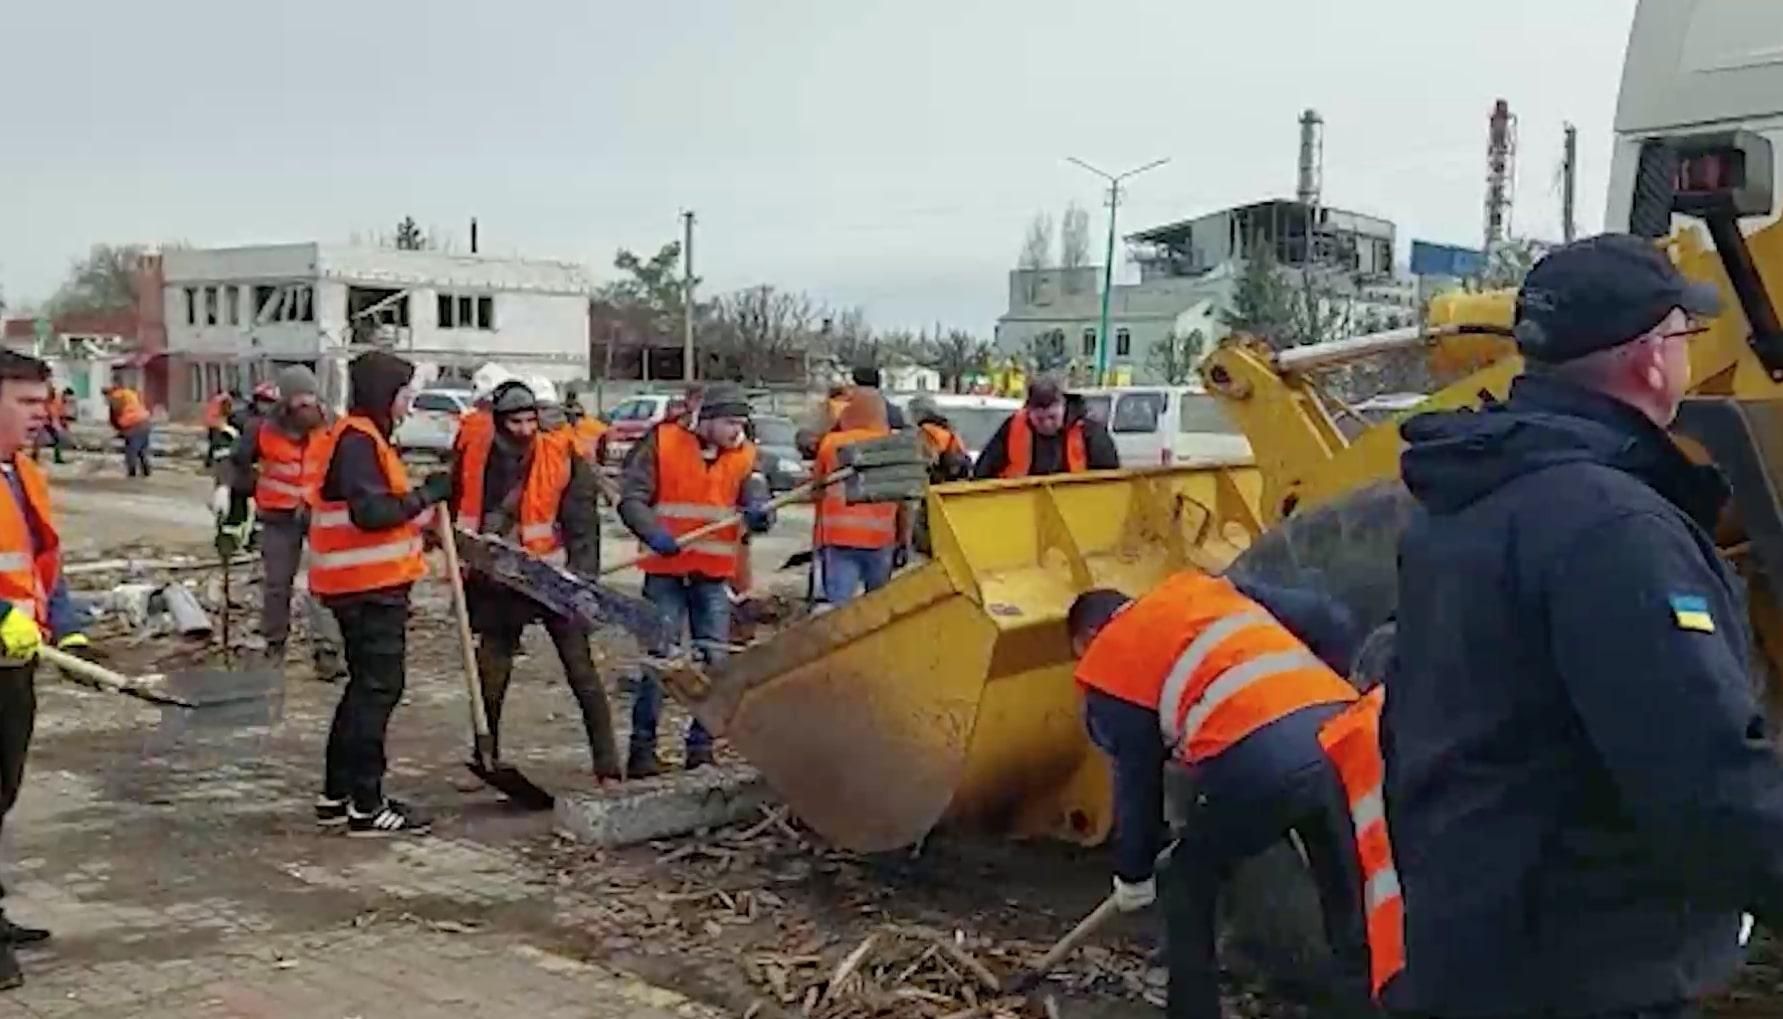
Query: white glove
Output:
(1130,898)
(219,500)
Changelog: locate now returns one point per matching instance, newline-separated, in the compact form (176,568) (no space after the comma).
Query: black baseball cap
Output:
(1599,293)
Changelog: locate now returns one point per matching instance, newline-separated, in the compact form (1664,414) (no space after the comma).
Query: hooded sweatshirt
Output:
(354,475)
(1579,792)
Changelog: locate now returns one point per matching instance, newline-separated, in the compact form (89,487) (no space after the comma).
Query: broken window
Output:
(210,306)
(191,306)
(379,306)
(485,313)
(263,298)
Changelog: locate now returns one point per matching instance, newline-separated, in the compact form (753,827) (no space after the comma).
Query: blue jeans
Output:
(136,451)
(846,570)
(704,607)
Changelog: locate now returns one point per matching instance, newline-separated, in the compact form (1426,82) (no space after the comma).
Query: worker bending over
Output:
(34,598)
(269,465)
(678,478)
(1200,670)
(1580,787)
(1051,434)
(942,448)
(533,490)
(854,543)
(130,419)
(365,543)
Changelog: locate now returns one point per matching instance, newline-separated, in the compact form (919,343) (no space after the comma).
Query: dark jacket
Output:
(1130,734)
(1049,450)
(1579,791)
(354,475)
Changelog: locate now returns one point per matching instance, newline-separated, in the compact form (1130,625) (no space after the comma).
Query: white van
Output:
(1157,426)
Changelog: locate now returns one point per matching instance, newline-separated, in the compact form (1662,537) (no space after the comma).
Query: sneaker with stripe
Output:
(393,817)
(331,813)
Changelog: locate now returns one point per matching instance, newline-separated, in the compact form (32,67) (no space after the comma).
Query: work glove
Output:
(219,501)
(20,636)
(77,645)
(661,542)
(437,488)
(759,516)
(1131,898)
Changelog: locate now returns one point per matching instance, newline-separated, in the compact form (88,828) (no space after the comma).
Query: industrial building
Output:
(235,315)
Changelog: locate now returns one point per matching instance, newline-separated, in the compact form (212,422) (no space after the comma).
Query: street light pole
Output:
(1114,200)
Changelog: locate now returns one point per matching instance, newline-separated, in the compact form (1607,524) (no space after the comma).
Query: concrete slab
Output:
(676,804)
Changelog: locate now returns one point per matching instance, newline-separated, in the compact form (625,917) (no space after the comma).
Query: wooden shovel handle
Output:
(783,499)
(1077,935)
(473,685)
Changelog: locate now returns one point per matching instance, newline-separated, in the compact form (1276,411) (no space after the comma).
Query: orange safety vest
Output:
(30,549)
(691,493)
(940,440)
(216,411)
(1352,740)
(344,559)
(127,410)
(588,432)
(474,425)
(861,525)
(1215,665)
(541,493)
(283,483)
(1020,438)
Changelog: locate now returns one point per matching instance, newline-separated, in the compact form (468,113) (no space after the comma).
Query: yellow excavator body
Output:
(946,697)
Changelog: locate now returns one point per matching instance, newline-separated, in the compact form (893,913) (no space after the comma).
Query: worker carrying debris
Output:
(365,544)
(1201,671)
(130,419)
(266,477)
(533,489)
(678,477)
(1581,794)
(1051,434)
(948,460)
(34,598)
(854,542)
(59,417)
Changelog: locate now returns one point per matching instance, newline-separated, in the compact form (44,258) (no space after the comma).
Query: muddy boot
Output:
(495,664)
(700,756)
(591,697)
(642,762)
(11,976)
(328,665)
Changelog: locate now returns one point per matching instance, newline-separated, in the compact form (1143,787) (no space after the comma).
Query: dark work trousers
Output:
(496,648)
(281,550)
(375,636)
(136,450)
(18,715)
(1234,814)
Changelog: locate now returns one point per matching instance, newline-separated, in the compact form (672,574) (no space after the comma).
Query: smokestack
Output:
(1501,172)
(473,235)
(1312,158)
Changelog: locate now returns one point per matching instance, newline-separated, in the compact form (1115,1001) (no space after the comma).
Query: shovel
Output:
(504,778)
(187,697)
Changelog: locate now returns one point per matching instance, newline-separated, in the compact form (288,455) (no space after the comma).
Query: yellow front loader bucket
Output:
(946,696)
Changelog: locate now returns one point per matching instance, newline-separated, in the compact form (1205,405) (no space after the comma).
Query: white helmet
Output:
(485,380)
(543,389)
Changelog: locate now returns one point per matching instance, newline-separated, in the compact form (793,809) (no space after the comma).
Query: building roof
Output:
(1177,231)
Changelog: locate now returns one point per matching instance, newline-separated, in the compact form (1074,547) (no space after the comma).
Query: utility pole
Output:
(687,296)
(1114,201)
(1569,180)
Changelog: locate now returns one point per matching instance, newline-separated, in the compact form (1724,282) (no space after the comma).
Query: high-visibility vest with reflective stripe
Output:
(474,425)
(127,410)
(861,525)
(1214,664)
(541,492)
(1352,740)
(282,484)
(691,493)
(343,558)
(1020,452)
(30,557)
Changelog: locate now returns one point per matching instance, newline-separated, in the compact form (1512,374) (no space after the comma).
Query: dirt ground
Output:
(190,880)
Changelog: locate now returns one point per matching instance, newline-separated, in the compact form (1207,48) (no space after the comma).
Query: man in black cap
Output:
(1579,792)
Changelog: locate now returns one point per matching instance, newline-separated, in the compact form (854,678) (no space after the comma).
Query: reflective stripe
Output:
(1383,886)
(331,518)
(1234,681)
(691,511)
(13,562)
(870,522)
(285,470)
(1368,810)
(387,552)
(282,488)
(718,548)
(1190,660)
(538,532)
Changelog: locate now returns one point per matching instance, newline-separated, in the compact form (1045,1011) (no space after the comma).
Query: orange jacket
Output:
(691,493)
(284,480)
(541,494)
(1020,438)
(1214,664)
(861,525)
(30,558)
(127,410)
(216,411)
(1352,740)
(474,425)
(344,559)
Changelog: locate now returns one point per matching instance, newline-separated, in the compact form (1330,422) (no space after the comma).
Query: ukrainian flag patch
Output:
(1691,612)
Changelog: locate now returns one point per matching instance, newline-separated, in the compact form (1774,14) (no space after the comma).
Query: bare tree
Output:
(1036,250)
(1175,357)
(758,329)
(409,236)
(957,355)
(1045,352)
(105,280)
(1074,237)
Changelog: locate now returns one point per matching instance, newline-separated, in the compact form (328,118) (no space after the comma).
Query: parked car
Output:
(432,423)
(631,419)
(1163,425)
(777,452)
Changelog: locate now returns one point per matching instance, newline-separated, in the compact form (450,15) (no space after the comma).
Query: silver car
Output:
(432,423)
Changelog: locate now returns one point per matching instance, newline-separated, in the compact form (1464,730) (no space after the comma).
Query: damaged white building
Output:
(236,315)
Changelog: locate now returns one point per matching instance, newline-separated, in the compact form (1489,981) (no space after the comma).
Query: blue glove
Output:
(759,517)
(661,542)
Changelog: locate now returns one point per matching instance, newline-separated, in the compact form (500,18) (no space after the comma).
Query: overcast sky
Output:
(886,154)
